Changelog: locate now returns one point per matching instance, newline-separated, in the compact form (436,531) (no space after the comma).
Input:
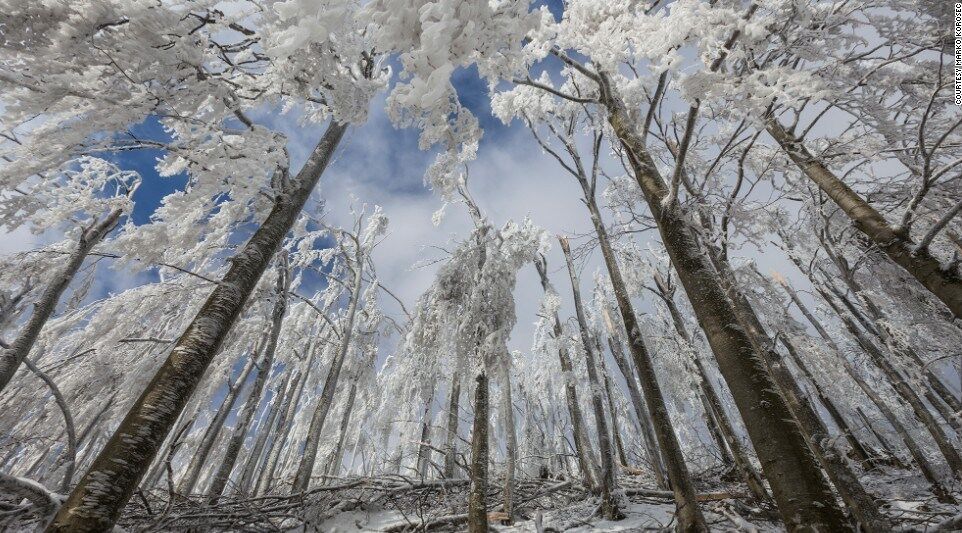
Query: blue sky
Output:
(378,163)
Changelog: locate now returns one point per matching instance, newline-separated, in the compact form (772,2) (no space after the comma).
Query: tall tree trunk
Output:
(99,497)
(451,439)
(586,455)
(265,431)
(609,508)
(246,416)
(950,454)
(334,468)
(946,286)
(12,357)
(306,467)
(424,448)
(690,517)
(638,403)
(927,471)
(284,426)
(212,431)
(800,489)
(511,438)
(714,408)
(477,511)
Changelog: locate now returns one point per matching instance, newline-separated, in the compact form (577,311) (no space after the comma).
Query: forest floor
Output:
(401,504)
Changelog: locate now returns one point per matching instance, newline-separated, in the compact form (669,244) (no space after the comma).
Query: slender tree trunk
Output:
(690,517)
(507,409)
(94,422)
(714,408)
(70,450)
(284,426)
(800,489)
(644,419)
(609,508)
(335,465)
(946,286)
(927,471)
(424,448)
(709,400)
(246,416)
(477,511)
(451,441)
(11,358)
(306,467)
(903,389)
(212,431)
(862,454)
(99,497)
(265,431)
(612,406)
(586,455)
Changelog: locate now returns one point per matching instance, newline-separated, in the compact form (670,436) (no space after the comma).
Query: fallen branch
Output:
(668,495)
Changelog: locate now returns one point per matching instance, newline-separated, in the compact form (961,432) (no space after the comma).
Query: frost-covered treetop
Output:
(82,190)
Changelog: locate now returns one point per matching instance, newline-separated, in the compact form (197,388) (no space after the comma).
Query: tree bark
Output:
(609,508)
(99,497)
(451,440)
(246,416)
(946,286)
(800,489)
(11,358)
(477,511)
